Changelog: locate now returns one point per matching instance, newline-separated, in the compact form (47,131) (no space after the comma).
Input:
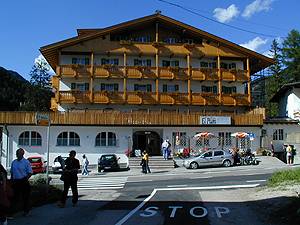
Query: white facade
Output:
(289,103)
(87,134)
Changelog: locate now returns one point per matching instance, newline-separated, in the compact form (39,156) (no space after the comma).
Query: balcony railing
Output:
(141,72)
(74,96)
(73,70)
(234,75)
(117,118)
(106,71)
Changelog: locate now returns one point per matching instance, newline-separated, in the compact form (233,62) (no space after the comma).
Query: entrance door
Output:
(146,140)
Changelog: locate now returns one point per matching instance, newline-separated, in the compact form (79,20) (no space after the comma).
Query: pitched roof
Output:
(50,52)
(284,88)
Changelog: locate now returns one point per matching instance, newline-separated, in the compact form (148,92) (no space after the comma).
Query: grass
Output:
(285,177)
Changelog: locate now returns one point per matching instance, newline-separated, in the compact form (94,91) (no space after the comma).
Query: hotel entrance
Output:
(146,140)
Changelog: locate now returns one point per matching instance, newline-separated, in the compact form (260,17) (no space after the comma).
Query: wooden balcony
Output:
(73,70)
(74,96)
(211,98)
(234,75)
(117,118)
(228,100)
(166,73)
(106,97)
(108,71)
(55,82)
(139,72)
(205,74)
(134,98)
(100,97)
(197,99)
(241,99)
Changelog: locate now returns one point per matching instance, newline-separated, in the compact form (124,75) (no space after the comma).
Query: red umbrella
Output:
(240,135)
(204,135)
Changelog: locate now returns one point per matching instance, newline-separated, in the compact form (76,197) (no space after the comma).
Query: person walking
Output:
(146,162)
(5,194)
(70,179)
(21,171)
(165,148)
(85,163)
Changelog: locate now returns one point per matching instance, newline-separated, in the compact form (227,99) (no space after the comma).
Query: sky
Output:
(27,25)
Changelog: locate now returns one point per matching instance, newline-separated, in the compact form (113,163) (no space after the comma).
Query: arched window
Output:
(24,138)
(36,139)
(106,139)
(68,139)
(30,138)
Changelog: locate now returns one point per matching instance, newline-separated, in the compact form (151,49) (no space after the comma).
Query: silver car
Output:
(209,158)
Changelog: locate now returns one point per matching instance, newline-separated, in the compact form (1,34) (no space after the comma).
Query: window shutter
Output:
(176,87)
(165,88)
(215,89)
(203,88)
(136,87)
(102,87)
(73,86)
(233,89)
(116,87)
(149,88)
(86,86)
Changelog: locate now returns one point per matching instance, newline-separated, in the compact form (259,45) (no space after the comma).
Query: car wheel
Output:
(227,163)
(194,165)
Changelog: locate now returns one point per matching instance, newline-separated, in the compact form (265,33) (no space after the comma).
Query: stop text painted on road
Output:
(196,211)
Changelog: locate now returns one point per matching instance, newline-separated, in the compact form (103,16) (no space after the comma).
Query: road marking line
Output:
(124,219)
(200,177)
(132,212)
(179,185)
(137,181)
(253,181)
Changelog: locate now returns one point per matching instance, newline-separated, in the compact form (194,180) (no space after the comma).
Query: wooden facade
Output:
(117,118)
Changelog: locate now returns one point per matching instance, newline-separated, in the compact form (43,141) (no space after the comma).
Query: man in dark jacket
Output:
(70,178)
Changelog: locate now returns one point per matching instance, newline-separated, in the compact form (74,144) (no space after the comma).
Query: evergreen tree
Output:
(40,73)
(275,80)
(291,56)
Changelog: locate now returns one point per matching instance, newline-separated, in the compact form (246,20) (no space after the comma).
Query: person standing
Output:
(21,171)
(85,163)
(272,149)
(70,179)
(146,162)
(165,148)
(5,194)
(289,154)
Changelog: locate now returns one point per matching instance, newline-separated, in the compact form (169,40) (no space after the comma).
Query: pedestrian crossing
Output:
(101,183)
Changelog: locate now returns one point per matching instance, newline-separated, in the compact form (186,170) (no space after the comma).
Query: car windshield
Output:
(34,160)
(108,157)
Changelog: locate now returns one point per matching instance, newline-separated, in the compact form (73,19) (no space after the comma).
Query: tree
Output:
(40,73)
(291,56)
(275,80)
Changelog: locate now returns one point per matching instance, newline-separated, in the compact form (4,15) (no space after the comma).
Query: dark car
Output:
(58,164)
(108,162)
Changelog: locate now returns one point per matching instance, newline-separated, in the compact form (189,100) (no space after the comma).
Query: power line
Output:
(224,24)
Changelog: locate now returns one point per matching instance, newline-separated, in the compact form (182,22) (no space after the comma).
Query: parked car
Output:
(108,162)
(209,158)
(38,164)
(58,164)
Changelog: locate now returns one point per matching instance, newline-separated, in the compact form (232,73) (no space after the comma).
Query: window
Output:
(170,40)
(207,154)
(224,139)
(228,90)
(208,64)
(170,87)
(218,153)
(80,61)
(68,139)
(106,139)
(209,89)
(143,39)
(173,63)
(36,139)
(228,65)
(105,61)
(110,87)
(143,87)
(142,62)
(80,86)
(278,134)
(202,142)
(179,139)
(30,138)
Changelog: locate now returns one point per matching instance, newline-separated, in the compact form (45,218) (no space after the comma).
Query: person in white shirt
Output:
(85,163)
(165,148)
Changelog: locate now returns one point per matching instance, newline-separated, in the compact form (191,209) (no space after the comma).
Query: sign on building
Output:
(42,119)
(215,120)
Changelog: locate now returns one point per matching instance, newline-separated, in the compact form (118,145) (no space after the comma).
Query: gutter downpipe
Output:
(7,146)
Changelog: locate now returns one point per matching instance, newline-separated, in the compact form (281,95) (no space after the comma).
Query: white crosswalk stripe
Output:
(101,183)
